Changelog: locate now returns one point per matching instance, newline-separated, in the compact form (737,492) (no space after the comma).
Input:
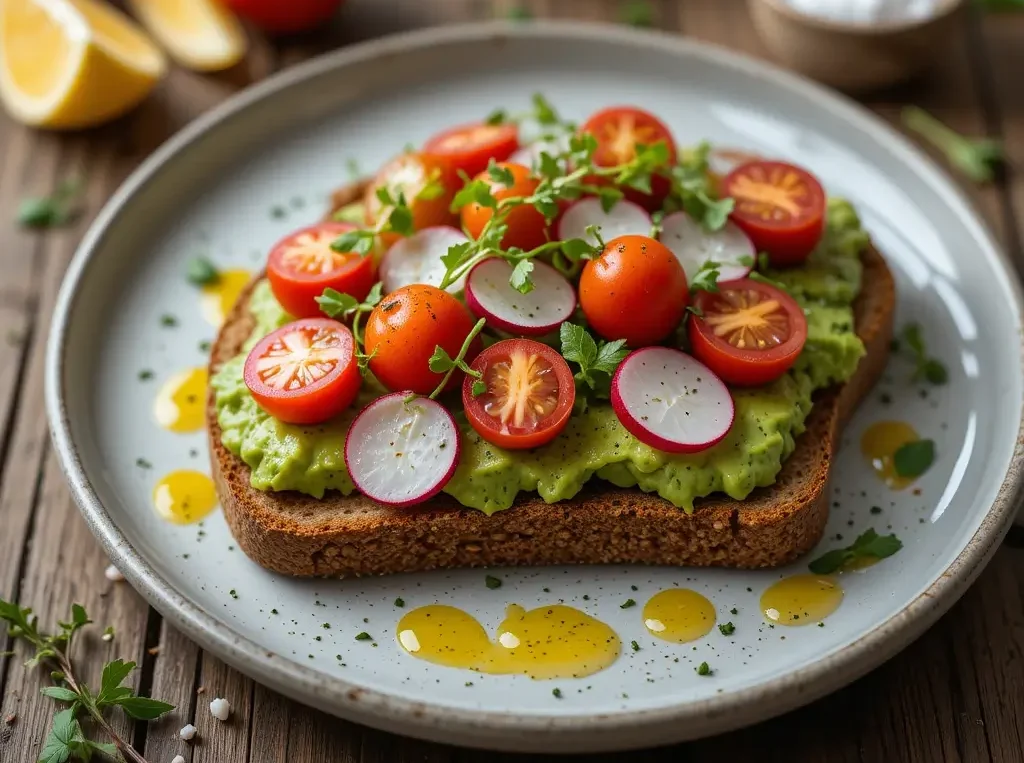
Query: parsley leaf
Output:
(201,271)
(706,279)
(501,175)
(357,241)
(610,355)
(596,362)
(333,303)
(868,544)
(474,192)
(520,279)
(543,111)
(914,458)
(479,388)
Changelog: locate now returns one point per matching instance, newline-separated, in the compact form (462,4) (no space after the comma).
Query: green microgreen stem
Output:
(459,361)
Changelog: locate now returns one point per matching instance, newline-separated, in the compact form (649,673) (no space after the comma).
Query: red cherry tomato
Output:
(750,333)
(471,147)
(780,206)
(529,396)
(302,265)
(618,131)
(305,372)
(635,290)
(404,329)
(527,228)
(285,17)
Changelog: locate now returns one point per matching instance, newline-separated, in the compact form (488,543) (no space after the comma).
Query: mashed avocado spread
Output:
(768,419)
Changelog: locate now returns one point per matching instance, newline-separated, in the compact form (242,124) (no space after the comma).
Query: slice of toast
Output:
(296,534)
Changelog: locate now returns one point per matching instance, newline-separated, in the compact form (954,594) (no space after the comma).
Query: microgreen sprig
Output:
(442,363)
(67,739)
(977,158)
(927,367)
(398,220)
(596,361)
(334,304)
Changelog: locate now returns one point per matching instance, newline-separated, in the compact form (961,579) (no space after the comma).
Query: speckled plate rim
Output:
(500,730)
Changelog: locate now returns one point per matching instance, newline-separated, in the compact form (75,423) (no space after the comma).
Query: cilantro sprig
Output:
(596,361)
(928,368)
(67,738)
(692,192)
(977,158)
(396,217)
(443,363)
(868,545)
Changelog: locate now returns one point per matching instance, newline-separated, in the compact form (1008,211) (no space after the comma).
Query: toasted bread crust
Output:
(295,534)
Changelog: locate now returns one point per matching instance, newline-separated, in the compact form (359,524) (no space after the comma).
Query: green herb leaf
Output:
(114,674)
(51,211)
(520,279)
(333,303)
(627,604)
(706,279)
(727,629)
(609,197)
(637,13)
(143,708)
(496,117)
(543,111)
(548,166)
(868,544)
(556,693)
(399,602)
(577,249)
(474,192)
(978,159)
(934,372)
(59,693)
(704,670)
(440,361)
(914,458)
(479,388)
(634,646)
(929,369)
(500,175)
(57,747)
(577,345)
(354,241)
(492,582)
(610,355)
(201,272)
(363,636)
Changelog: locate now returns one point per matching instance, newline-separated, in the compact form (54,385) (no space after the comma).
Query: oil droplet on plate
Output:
(184,496)
(679,615)
(880,442)
(555,641)
(220,296)
(181,402)
(801,599)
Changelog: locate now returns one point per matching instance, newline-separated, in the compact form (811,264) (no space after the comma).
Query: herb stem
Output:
(460,358)
(923,123)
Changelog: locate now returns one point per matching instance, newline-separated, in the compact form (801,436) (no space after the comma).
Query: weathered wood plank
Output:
(173,680)
(222,741)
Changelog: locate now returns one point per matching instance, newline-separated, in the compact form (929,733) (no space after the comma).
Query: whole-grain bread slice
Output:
(296,534)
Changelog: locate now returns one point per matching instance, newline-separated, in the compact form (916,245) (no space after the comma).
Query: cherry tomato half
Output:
(285,17)
(618,131)
(425,182)
(780,206)
(527,227)
(302,265)
(305,372)
(635,290)
(471,147)
(750,333)
(404,329)
(529,396)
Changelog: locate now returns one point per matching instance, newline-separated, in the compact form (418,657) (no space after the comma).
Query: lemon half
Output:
(73,63)
(200,34)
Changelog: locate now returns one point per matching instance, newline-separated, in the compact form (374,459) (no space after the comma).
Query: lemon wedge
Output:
(200,34)
(73,63)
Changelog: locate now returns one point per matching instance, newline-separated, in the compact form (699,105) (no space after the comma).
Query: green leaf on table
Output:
(143,708)
(59,693)
(57,746)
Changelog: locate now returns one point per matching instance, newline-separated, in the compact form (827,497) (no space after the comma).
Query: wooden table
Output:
(955,695)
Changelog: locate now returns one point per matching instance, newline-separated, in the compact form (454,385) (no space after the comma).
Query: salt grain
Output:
(188,732)
(113,574)
(220,709)
(177,759)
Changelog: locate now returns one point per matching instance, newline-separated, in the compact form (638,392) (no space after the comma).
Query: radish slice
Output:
(542,310)
(670,401)
(693,246)
(624,218)
(417,259)
(400,453)
(529,155)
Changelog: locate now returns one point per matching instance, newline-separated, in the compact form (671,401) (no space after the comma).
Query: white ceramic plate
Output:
(211,190)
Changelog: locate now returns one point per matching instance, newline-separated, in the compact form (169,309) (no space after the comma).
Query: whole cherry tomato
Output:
(403,331)
(285,16)
(635,290)
(527,228)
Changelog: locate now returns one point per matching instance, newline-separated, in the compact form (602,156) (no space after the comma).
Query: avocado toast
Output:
(753,497)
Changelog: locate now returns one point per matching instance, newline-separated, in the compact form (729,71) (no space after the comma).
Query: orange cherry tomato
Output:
(750,333)
(618,130)
(302,265)
(635,290)
(529,396)
(470,148)
(527,228)
(426,183)
(780,206)
(404,329)
(305,372)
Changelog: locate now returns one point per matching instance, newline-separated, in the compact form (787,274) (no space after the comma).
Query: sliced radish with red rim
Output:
(417,259)
(625,218)
(550,303)
(693,245)
(402,451)
(670,401)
